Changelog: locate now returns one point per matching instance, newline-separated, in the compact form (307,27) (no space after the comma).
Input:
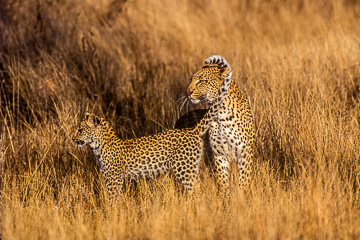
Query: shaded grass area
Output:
(130,61)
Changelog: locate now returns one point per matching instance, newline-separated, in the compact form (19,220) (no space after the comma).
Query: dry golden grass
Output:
(298,61)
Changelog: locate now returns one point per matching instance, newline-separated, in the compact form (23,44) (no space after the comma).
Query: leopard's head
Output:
(206,82)
(90,129)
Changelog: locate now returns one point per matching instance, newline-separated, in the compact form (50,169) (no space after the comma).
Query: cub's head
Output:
(90,129)
(206,82)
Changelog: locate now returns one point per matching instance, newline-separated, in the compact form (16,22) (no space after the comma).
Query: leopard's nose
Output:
(189,92)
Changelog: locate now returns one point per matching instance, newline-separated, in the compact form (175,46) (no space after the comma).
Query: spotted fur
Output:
(178,151)
(232,132)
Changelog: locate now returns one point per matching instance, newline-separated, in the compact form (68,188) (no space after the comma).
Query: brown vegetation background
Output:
(129,61)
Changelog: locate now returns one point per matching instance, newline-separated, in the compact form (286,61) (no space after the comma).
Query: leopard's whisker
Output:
(187,105)
(179,101)
(183,103)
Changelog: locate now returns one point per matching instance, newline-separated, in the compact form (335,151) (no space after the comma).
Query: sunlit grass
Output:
(298,62)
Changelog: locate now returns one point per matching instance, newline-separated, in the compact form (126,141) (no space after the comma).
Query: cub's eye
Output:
(80,131)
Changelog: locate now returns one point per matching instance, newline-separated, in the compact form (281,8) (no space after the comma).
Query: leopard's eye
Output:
(80,131)
(199,82)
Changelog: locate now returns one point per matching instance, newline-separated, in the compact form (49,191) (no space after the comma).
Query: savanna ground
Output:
(298,62)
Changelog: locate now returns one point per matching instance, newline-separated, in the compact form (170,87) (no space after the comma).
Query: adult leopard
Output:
(231,134)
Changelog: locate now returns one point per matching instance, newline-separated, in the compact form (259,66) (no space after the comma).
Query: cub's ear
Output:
(92,120)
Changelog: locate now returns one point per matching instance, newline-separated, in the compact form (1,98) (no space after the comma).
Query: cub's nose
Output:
(189,92)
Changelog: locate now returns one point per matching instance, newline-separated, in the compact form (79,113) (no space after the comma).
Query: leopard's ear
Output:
(87,114)
(92,120)
(225,71)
